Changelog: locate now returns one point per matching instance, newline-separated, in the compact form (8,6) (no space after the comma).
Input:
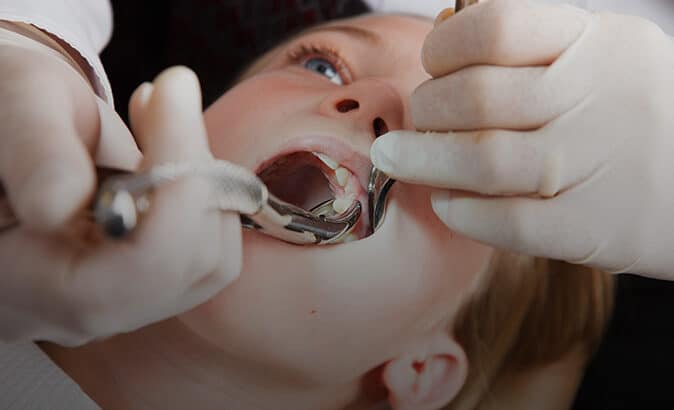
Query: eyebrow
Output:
(353,31)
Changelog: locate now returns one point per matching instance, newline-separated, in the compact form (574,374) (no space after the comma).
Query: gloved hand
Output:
(554,134)
(59,283)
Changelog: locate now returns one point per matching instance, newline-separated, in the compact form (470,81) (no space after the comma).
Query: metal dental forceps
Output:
(380,184)
(378,187)
(124,197)
(461,4)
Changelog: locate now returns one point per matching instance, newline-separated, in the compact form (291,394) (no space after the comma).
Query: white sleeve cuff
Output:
(30,380)
(85,25)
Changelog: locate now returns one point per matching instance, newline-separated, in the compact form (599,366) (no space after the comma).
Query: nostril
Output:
(380,127)
(347,105)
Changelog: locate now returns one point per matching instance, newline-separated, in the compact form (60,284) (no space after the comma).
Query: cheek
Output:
(437,267)
(252,110)
(410,79)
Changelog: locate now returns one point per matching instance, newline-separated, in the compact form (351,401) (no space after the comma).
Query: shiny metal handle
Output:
(123,196)
(8,220)
(378,188)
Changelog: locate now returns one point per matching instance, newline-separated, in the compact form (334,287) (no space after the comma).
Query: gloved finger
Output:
(550,228)
(137,103)
(529,226)
(483,97)
(488,162)
(46,135)
(500,32)
(184,137)
(169,126)
(116,147)
(184,251)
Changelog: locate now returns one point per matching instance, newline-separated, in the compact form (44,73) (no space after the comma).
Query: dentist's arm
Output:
(553,134)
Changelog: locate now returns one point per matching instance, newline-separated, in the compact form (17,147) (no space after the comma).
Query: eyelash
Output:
(300,53)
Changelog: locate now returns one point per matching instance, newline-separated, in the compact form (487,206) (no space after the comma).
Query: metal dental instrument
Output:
(462,4)
(123,198)
(378,188)
(380,184)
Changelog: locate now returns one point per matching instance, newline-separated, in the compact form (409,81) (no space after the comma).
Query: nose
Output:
(372,106)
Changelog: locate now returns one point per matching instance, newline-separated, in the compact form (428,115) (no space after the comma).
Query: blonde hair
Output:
(531,312)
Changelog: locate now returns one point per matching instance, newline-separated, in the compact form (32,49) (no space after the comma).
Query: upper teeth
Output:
(342,175)
(343,178)
(327,160)
(342,204)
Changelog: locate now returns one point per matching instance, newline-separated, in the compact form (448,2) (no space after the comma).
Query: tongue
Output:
(297,178)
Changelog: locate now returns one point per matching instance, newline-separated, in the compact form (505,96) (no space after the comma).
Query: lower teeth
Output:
(342,204)
(333,207)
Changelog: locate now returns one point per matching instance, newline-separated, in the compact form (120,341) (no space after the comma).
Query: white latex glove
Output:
(59,284)
(562,130)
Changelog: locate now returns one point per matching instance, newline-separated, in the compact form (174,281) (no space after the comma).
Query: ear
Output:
(429,383)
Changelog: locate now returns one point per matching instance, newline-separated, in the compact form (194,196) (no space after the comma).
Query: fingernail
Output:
(385,152)
(180,86)
(440,203)
(444,15)
(144,93)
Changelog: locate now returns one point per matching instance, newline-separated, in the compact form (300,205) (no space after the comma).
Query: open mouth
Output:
(308,179)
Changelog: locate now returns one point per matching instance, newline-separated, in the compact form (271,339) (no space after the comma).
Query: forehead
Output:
(395,20)
(391,30)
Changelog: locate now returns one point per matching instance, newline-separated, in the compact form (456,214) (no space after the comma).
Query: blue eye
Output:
(324,68)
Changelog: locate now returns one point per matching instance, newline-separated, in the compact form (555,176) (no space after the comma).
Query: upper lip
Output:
(346,155)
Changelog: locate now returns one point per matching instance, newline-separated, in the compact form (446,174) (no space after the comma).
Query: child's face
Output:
(332,313)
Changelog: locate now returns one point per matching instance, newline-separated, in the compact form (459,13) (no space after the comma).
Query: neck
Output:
(165,366)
